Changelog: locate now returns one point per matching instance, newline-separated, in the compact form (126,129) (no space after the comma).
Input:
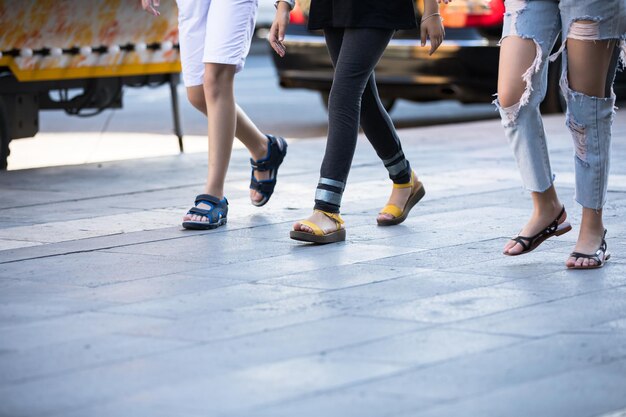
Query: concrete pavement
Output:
(108,308)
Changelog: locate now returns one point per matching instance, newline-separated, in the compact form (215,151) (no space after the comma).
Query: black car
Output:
(464,68)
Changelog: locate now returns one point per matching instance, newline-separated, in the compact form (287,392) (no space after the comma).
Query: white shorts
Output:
(214,31)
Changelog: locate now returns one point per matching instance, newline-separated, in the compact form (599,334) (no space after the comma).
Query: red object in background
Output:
(472,13)
(491,19)
(461,13)
(297,16)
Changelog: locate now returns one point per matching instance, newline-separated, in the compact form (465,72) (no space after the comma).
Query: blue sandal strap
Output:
(276,151)
(200,212)
(263,186)
(208,198)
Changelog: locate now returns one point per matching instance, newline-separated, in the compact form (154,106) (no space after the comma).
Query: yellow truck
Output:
(77,56)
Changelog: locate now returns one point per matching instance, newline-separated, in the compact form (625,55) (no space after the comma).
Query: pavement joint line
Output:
(238,336)
(101,364)
(566,297)
(517,335)
(394,374)
(408,275)
(429,325)
(74,200)
(443,401)
(108,248)
(196,344)
(485,393)
(591,331)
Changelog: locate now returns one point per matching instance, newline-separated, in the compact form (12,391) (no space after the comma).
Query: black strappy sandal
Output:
(601,256)
(531,243)
(216,215)
(276,151)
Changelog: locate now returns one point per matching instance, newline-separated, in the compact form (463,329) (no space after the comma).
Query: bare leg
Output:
(516,56)
(221,114)
(590,80)
(246,131)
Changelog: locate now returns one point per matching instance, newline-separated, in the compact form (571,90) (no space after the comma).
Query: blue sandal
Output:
(216,215)
(276,151)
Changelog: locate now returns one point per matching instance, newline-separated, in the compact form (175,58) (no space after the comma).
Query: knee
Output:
(508,97)
(218,81)
(196,98)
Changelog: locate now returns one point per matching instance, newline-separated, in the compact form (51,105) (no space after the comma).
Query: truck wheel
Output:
(4,136)
(388,103)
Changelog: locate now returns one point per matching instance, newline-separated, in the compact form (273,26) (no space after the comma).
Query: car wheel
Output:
(388,103)
(4,136)
(554,102)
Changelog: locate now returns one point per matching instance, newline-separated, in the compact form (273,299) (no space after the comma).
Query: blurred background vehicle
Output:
(464,68)
(77,56)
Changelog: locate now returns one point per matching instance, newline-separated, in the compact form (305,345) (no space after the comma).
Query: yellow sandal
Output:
(400,214)
(318,235)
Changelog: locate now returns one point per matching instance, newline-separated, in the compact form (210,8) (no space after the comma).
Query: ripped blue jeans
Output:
(589,119)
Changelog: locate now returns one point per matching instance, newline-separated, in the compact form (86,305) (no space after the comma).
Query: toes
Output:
(579,262)
(508,246)
(385,216)
(299,227)
(256,196)
(571,262)
(589,263)
(516,249)
(195,218)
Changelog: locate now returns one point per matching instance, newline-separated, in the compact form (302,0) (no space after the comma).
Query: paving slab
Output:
(108,307)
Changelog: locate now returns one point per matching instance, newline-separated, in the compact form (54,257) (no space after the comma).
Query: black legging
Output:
(355,53)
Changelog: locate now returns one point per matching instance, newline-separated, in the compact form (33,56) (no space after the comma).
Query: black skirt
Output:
(383,14)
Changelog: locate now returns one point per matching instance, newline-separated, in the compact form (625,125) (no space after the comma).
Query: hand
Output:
(278,29)
(432,28)
(151,6)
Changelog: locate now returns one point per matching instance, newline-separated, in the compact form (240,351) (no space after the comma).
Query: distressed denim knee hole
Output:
(527,77)
(584,30)
(508,114)
(514,8)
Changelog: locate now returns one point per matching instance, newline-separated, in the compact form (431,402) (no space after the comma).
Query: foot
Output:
(324,222)
(398,198)
(260,153)
(589,241)
(538,222)
(197,218)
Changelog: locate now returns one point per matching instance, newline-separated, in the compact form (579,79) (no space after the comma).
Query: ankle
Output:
(259,150)
(549,208)
(592,224)
(215,192)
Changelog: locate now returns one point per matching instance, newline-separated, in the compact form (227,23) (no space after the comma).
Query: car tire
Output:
(4,136)
(554,102)
(388,103)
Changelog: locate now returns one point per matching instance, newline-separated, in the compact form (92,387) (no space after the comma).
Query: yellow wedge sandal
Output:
(318,235)
(400,214)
